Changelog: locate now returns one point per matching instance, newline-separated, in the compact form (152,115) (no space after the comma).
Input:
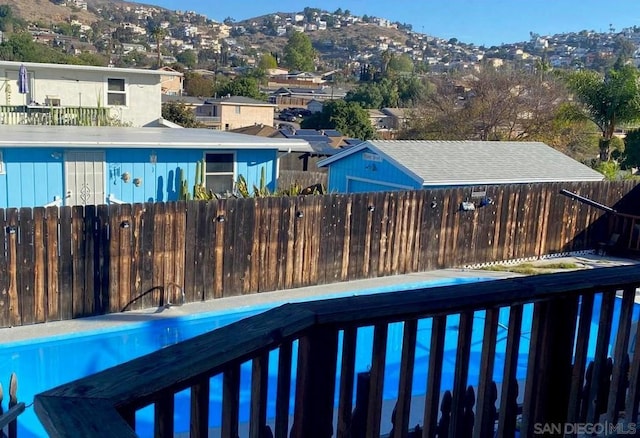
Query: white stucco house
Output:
(132,96)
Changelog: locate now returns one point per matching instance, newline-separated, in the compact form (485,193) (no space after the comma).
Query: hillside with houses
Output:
(125,34)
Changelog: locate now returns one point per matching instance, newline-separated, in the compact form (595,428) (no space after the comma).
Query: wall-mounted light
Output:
(371,208)
(125,224)
(11,229)
(220,218)
(299,214)
(434,204)
(56,155)
(137,182)
(153,158)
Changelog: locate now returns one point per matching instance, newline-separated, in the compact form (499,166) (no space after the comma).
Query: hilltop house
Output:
(411,165)
(130,96)
(73,165)
(234,112)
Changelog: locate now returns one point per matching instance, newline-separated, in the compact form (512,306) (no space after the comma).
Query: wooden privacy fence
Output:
(69,262)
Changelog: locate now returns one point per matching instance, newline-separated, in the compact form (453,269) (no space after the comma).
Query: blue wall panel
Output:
(250,164)
(33,177)
(381,174)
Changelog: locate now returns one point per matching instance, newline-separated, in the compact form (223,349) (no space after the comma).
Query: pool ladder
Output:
(170,291)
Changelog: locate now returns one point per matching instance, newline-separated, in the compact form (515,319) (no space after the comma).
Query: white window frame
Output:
(108,92)
(238,109)
(232,174)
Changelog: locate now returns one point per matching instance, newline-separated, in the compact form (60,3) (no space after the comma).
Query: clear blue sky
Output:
(481,22)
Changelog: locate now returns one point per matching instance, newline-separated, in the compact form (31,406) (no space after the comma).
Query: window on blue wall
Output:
(219,172)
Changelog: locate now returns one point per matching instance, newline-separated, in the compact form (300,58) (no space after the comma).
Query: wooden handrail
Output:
(111,396)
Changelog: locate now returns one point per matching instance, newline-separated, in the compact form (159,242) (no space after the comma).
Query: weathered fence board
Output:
(69,262)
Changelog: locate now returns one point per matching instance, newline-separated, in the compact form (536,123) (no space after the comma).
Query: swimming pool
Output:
(44,363)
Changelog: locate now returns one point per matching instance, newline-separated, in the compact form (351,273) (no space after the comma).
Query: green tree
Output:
(9,22)
(158,34)
(607,100)
(267,61)
(632,148)
(177,112)
(241,86)
(197,85)
(299,53)
(347,117)
(368,95)
(188,58)
(400,64)
(21,47)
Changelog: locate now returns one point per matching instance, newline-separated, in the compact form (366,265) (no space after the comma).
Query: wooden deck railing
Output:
(53,115)
(560,386)
(9,419)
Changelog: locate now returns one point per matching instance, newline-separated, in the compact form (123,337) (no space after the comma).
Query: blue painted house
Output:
(72,165)
(410,165)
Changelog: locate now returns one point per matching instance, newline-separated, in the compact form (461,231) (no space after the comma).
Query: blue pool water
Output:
(44,363)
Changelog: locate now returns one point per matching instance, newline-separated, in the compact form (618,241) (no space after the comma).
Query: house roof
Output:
(239,100)
(396,112)
(72,67)
(439,163)
(259,130)
(151,138)
(188,100)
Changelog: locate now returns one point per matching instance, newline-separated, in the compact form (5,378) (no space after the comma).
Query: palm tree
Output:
(608,100)
(158,34)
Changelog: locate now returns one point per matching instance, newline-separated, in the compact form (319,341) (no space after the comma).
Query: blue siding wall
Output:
(34,177)
(250,164)
(161,181)
(354,173)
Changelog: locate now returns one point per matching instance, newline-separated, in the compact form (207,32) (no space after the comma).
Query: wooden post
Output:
(315,385)
(549,368)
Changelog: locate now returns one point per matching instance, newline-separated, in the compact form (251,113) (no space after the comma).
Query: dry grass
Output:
(533,269)
(45,11)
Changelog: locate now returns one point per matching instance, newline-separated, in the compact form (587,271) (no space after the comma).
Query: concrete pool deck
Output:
(56,328)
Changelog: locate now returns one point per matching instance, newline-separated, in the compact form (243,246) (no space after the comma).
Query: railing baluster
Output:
(434,376)
(405,384)
(230,401)
(509,395)
(461,373)
(258,412)
(347,371)
(580,361)
(600,360)
(633,395)
(283,391)
(315,384)
(619,379)
(200,408)
(485,419)
(163,416)
(378,357)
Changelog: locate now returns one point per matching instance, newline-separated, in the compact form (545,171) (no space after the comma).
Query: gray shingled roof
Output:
(481,162)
